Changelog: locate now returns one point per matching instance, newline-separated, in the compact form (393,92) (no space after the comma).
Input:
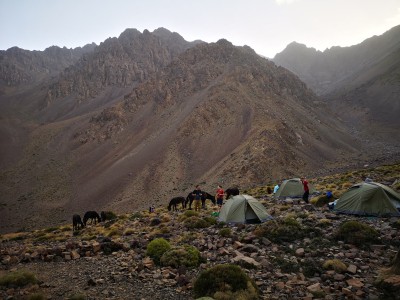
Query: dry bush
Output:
(335,264)
(225,282)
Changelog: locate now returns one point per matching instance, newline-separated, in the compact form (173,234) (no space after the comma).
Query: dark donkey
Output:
(92,215)
(77,222)
(233,191)
(204,197)
(174,202)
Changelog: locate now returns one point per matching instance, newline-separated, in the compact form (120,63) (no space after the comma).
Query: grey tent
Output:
(371,199)
(243,209)
(292,188)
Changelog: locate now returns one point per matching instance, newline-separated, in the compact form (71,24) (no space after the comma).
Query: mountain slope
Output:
(215,114)
(361,83)
(327,71)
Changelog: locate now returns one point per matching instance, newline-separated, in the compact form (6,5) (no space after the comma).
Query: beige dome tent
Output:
(243,209)
(371,199)
(292,188)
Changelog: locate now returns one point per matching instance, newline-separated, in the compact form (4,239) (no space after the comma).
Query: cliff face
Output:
(122,62)
(23,67)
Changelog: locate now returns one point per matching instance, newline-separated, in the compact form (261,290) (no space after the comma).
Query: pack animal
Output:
(77,222)
(204,197)
(92,216)
(232,191)
(174,202)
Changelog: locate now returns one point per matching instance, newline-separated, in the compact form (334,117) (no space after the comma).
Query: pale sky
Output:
(267,26)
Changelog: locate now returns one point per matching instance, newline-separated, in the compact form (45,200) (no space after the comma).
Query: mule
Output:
(77,222)
(204,197)
(93,216)
(174,202)
(233,191)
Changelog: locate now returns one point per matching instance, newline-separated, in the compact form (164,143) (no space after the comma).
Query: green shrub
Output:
(311,267)
(210,220)
(186,255)
(225,232)
(335,264)
(286,266)
(359,234)
(195,222)
(156,248)
(190,213)
(287,230)
(18,278)
(225,282)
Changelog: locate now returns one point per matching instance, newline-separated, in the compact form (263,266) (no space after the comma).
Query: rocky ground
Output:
(108,260)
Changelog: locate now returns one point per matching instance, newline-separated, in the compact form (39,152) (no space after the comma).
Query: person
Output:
(197,194)
(220,196)
(306,189)
(329,195)
(276,188)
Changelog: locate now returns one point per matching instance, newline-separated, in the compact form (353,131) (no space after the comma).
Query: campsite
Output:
(286,249)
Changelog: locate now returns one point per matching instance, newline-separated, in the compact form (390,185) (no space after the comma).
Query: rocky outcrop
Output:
(19,66)
(123,62)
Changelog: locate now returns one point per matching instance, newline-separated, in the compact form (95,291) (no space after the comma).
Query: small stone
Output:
(316,287)
(352,269)
(300,252)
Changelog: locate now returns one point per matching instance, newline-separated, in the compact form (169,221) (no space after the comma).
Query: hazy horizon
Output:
(267,26)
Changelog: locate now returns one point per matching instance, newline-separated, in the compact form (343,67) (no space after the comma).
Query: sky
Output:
(267,26)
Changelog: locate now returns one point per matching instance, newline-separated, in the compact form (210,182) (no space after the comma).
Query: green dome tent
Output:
(243,209)
(371,199)
(292,188)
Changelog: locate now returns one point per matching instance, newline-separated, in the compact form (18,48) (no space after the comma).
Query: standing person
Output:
(306,189)
(220,196)
(276,188)
(197,194)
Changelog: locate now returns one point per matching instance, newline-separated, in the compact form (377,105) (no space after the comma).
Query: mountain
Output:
(146,116)
(360,82)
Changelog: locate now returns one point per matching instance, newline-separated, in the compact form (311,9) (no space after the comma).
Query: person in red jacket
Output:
(220,196)
(306,189)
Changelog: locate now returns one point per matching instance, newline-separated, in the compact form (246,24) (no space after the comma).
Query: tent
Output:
(371,199)
(243,209)
(292,188)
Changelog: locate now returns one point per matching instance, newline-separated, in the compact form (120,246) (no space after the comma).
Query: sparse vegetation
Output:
(336,265)
(37,296)
(225,282)
(185,255)
(156,248)
(354,232)
(18,278)
(195,222)
(286,230)
(225,232)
